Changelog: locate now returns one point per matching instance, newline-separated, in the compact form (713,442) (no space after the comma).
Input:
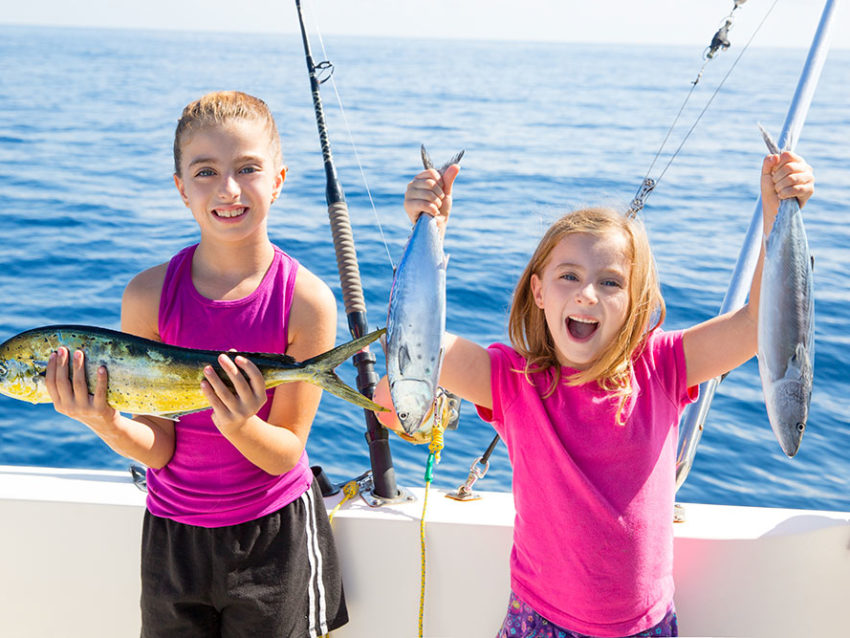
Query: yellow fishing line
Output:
(441,414)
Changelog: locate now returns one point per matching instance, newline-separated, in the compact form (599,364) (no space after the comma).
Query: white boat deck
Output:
(69,543)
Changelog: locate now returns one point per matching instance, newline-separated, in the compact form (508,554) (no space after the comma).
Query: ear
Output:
(179,184)
(537,290)
(279,179)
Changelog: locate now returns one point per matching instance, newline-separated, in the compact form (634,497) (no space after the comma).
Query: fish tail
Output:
(428,163)
(321,370)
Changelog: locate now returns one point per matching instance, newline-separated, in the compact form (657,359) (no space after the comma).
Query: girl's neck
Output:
(227,272)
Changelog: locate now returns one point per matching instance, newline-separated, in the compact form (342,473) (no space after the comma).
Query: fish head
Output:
(412,400)
(788,413)
(22,380)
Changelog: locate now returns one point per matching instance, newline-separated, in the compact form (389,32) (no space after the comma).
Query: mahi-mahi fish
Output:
(786,324)
(149,377)
(416,319)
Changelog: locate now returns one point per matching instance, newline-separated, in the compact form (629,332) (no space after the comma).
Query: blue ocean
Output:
(86,126)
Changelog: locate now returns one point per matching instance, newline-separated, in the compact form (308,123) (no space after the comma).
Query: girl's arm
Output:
(466,371)
(276,445)
(721,344)
(149,440)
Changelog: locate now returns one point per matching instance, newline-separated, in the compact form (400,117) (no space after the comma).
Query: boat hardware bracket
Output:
(366,487)
(464,492)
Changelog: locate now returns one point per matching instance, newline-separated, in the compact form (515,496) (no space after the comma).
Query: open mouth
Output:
(229,213)
(581,329)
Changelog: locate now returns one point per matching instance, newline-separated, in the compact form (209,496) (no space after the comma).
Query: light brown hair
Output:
(219,107)
(527,327)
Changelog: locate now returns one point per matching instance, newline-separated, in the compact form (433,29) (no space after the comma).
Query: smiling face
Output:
(583,290)
(229,178)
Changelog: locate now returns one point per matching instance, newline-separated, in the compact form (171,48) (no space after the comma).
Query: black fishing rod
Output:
(383,474)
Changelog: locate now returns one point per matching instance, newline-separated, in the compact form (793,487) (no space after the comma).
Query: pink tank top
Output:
(208,482)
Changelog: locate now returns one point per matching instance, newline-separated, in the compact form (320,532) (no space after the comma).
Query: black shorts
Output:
(277,576)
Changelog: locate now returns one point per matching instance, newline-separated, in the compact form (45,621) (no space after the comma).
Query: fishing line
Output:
(329,66)
(648,184)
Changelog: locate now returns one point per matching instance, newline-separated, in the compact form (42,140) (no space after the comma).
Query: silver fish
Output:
(786,324)
(416,320)
(149,377)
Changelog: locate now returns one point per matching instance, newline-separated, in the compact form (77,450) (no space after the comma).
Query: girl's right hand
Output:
(69,391)
(431,193)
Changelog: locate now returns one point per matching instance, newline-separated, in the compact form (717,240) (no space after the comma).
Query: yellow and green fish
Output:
(149,377)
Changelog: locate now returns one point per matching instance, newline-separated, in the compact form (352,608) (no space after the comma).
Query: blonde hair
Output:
(219,107)
(527,327)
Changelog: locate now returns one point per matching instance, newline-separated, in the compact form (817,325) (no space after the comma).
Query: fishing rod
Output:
(377,437)
(693,419)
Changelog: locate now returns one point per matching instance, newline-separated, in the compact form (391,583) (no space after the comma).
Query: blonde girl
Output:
(587,399)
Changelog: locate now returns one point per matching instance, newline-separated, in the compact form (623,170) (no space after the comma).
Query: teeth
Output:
(233,212)
(580,320)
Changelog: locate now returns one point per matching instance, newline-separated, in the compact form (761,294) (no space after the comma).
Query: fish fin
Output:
(172,416)
(768,140)
(329,381)
(320,369)
(454,160)
(332,358)
(799,363)
(403,358)
(426,159)
(285,360)
(427,163)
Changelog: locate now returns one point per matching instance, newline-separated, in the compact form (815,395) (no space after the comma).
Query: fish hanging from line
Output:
(153,378)
(786,324)
(416,319)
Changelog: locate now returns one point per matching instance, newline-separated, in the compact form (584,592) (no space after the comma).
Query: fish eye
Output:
(801,427)
(3,369)
(403,415)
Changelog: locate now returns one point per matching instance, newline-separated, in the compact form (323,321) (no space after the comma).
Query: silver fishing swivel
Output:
(639,200)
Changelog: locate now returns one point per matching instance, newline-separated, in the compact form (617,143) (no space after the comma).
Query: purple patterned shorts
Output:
(522,621)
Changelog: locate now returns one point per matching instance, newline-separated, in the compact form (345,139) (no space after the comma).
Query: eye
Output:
(613,283)
(249,169)
(569,276)
(205,172)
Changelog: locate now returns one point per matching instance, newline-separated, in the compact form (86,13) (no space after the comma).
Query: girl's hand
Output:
(70,394)
(232,410)
(784,176)
(431,193)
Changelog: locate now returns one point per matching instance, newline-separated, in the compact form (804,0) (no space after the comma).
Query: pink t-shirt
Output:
(208,482)
(593,536)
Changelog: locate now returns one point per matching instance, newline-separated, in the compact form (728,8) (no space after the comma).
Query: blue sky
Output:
(691,22)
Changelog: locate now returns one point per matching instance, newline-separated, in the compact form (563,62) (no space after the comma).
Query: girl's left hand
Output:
(232,410)
(431,193)
(784,176)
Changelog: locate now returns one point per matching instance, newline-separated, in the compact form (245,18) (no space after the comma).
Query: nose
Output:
(587,294)
(228,187)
